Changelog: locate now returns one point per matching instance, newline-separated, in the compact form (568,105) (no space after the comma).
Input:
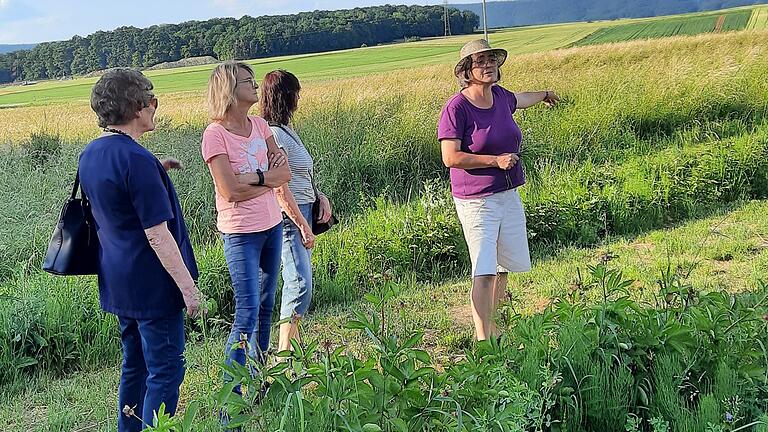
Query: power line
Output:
(485,22)
(446,18)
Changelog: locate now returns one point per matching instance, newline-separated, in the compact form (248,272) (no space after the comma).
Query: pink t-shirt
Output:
(246,155)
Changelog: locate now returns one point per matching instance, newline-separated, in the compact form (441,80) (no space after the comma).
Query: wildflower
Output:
(128,411)
(728,417)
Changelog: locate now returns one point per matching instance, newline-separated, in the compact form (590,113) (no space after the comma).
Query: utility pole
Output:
(485,22)
(446,18)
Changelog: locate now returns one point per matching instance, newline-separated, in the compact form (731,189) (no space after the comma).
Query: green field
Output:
(323,66)
(679,26)
(759,19)
(380,59)
(653,165)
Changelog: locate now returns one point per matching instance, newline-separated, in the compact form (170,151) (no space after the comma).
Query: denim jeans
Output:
(297,268)
(254,262)
(153,368)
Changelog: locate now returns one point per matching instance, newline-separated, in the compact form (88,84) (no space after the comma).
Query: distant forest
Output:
(230,38)
(528,12)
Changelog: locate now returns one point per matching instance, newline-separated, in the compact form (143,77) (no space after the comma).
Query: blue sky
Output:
(28,21)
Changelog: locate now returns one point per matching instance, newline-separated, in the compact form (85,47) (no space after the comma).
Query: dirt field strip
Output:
(719,24)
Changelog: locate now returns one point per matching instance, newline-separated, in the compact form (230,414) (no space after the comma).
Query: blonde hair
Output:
(221,88)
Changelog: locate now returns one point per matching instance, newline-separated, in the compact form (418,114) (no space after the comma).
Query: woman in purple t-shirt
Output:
(480,142)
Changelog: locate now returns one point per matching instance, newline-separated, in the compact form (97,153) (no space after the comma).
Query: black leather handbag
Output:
(320,227)
(74,246)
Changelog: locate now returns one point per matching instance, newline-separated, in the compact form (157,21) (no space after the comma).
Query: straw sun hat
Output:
(476,47)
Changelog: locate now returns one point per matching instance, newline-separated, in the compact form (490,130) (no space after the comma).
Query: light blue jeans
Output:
(297,268)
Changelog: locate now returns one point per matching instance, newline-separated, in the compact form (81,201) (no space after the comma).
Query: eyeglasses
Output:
(249,80)
(152,101)
(488,61)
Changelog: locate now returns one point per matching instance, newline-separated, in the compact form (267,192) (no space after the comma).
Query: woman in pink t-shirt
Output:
(246,166)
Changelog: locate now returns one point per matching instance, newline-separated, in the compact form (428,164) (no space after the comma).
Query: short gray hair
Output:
(464,72)
(119,94)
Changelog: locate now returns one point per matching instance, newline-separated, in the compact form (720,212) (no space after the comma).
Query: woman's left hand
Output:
(172,163)
(325,209)
(551,99)
(276,159)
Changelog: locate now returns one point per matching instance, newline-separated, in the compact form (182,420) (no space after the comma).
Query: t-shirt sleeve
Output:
(452,122)
(511,100)
(213,144)
(263,127)
(279,136)
(148,192)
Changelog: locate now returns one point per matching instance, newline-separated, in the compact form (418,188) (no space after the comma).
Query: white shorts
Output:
(494,227)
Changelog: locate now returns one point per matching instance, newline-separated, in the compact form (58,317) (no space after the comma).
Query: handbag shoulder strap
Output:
(76,186)
(311,174)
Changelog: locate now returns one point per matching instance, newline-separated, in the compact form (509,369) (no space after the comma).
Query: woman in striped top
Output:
(280,98)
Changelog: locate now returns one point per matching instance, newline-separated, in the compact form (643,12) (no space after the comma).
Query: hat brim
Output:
(501,55)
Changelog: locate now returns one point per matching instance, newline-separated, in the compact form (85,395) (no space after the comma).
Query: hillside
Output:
(529,12)
(642,176)
(229,38)
(7,48)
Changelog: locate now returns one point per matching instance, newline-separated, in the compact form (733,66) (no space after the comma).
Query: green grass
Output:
(323,66)
(759,19)
(727,251)
(382,59)
(645,173)
(602,163)
(679,26)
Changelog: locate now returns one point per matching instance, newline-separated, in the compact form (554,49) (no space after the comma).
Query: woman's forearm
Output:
(277,177)
(246,192)
(528,99)
(289,205)
(462,160)
(162,242)
(274,178)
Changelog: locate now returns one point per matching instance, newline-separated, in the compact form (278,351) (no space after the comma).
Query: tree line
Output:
(231,38)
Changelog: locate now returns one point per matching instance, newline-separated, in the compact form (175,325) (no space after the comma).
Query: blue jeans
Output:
(254,262)
(297,268)
(153,368)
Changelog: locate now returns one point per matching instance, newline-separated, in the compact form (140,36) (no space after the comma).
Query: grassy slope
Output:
(759,19)
(321,66)
(734,256)
(727,251)
(665,27)
(371,60)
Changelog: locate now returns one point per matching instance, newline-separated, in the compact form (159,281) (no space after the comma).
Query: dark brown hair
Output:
(119,94)
(464,77)
(279,99)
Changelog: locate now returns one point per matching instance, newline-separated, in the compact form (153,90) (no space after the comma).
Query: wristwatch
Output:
(261,177)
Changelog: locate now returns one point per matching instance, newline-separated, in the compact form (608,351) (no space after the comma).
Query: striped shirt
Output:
(300,162)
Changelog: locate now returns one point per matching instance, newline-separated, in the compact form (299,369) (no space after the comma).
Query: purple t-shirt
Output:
(490,131)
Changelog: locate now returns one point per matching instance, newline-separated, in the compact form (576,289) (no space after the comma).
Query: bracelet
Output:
(261,177)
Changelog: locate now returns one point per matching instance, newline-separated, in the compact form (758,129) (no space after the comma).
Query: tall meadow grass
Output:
(648,134)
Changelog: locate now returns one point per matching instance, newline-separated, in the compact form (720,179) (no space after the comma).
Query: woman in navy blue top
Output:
(147,269)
